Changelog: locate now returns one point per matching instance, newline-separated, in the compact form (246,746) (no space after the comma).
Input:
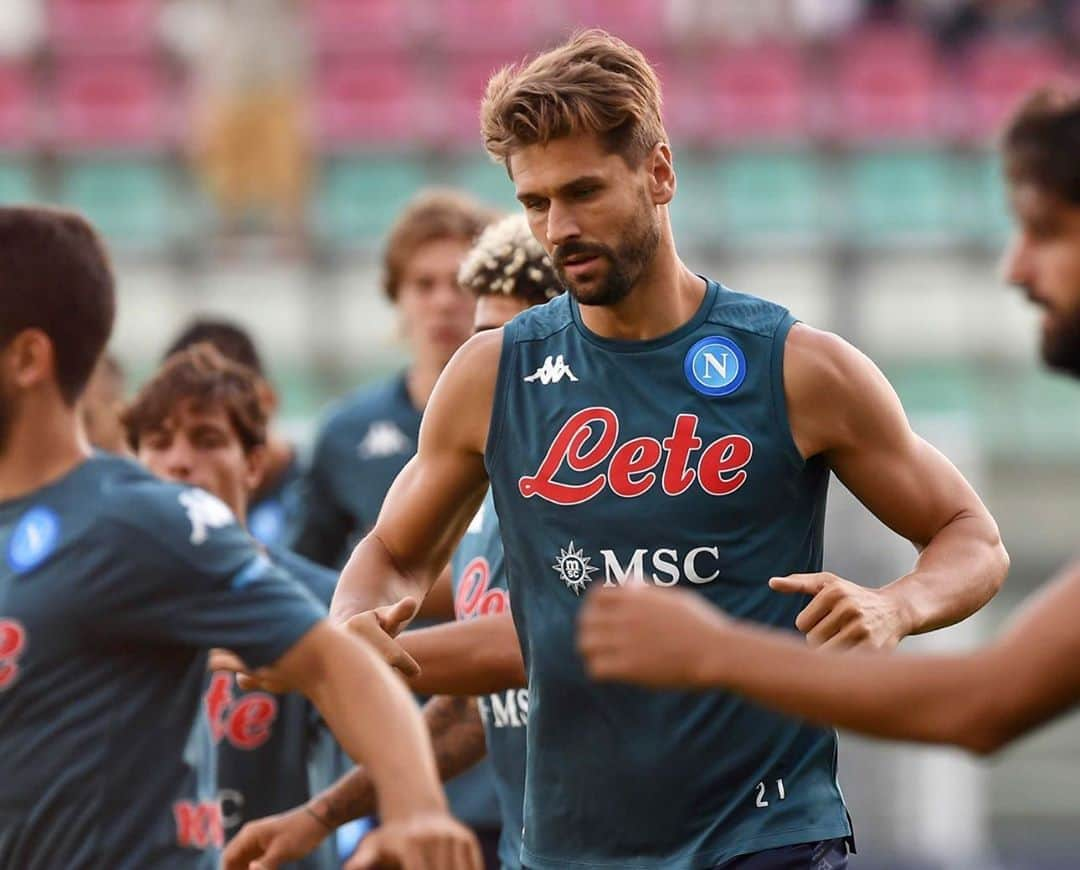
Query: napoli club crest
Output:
(715,366)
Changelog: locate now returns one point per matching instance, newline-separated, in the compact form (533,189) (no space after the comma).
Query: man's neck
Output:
(279,456)
(43,446)
(665,296)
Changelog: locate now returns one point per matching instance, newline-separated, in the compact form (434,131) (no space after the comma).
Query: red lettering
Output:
(218,699)
(679,445)
(12,644)
(198,825)
(638,456)
(474,583)
(251,719)
(631,470)
(720,459)
(567,447)
(495,601)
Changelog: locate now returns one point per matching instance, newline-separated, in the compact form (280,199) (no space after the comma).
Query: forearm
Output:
(457,736)
(379,726)
(957,573)
(371,578)
(474,657)
(938,699)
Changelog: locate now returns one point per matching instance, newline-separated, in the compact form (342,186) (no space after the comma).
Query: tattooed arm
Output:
(457,735)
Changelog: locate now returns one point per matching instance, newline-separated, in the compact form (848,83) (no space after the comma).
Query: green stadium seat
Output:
(16,183)
(359,197)
(902,197)
(772,197)
(988,218)
(132,202)
(695,214)
(485,180)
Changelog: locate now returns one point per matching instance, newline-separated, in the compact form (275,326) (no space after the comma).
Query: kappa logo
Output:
(383,438)
(574,568)
(205,512)
(552,371)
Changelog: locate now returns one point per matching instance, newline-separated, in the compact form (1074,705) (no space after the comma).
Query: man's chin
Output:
(1062,353)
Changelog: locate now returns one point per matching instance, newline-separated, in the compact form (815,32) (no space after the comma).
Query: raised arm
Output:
(436,495)
(980,701)
(458,738)
(841,407)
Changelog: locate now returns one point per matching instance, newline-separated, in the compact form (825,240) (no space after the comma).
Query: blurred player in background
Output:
(980,700)
(652,422)
(114,584)
(102,402)
(201,421)
(271,514)
(508,271)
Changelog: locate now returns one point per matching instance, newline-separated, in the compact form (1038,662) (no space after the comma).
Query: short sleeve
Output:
(321,525)
(176,568)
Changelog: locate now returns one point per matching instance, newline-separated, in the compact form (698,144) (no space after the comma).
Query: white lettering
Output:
(668,567)
(615,573)
(717,365)
(690,566)
(505,710)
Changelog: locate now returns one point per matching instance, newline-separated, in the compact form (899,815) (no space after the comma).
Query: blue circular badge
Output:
(715,366)
(34,538)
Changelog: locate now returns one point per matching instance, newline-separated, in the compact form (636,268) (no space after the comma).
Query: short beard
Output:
(1061,347)
(625,264)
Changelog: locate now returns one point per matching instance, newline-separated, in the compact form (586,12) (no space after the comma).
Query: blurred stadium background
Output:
(834,155)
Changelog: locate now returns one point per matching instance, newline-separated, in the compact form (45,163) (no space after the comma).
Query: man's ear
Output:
(661,174)
(31,358)
(256,468)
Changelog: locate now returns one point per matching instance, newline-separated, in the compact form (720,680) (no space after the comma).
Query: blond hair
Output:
(432,216)
(507,259)
(595,83)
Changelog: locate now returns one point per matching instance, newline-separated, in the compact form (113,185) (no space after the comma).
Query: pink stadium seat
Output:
(17,127)
(755,93)
(343,25)
(996,74)
(640,22)
(508,26)
(373,100)
(462,87)
(887,87)
(114,104)
(91,26)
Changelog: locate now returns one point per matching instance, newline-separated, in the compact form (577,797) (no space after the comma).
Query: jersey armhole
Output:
(779,397)
(499,400)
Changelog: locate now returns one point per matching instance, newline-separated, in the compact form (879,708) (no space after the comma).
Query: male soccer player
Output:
(508,272)
(654,422)
(201,421)
(980,700)
(270,515)
(113,585)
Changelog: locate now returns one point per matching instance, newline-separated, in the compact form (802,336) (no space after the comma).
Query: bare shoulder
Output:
(832,389)
(459,410)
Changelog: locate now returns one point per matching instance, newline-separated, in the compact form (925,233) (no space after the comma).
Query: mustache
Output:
(576,249)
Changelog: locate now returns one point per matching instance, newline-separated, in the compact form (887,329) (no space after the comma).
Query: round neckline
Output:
(626,345)
(43,491)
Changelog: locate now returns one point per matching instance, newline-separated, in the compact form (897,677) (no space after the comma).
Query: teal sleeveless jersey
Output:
(671,460)
(479,582)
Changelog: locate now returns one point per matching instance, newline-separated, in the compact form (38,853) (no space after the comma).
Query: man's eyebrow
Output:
(580,181)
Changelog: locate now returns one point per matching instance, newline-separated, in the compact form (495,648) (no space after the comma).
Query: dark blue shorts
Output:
(823,855)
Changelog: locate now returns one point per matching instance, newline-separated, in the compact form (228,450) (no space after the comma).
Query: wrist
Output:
(711,667)
(903,614)
(312,809)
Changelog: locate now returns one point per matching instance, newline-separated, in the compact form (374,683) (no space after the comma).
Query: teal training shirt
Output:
(479,584)
(671,459)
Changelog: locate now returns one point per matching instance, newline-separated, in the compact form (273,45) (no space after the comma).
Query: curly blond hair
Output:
(507,259)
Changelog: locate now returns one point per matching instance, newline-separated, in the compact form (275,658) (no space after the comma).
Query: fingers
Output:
(226,660)
(853,635)
(394,617)
(799,584)
(242,851)
(831,624)
(368,627)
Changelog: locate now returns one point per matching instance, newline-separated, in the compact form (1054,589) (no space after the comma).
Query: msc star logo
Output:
(574,569)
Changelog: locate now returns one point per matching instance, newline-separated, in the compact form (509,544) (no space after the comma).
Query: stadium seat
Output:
(483,179)
(996,75)
(359,197)
(95,26)
(131,201)
(887,87)
(510,27)
(695,210)
(114,104)
(771,197)
(17,111)
(345,25)
(16,183)
(462,85)
(640,22)
(901,197)
(374,100)
(987,219)
(755,94)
